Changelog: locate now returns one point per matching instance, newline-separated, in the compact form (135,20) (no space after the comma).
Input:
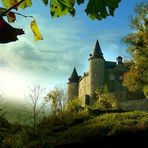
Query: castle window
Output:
(120,77)
(112,78)
(95,74)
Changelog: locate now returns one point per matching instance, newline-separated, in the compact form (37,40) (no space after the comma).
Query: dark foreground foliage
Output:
(123,140)
(86,127)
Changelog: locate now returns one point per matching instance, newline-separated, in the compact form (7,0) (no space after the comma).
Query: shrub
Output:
(106,99)
(74,105)
(145,90)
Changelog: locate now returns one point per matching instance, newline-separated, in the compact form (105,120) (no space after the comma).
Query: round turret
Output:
(73,86)
(96,69)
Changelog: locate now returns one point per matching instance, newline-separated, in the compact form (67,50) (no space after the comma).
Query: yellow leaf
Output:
(35,30)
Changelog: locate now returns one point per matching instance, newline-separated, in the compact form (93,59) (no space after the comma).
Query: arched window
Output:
(95,74)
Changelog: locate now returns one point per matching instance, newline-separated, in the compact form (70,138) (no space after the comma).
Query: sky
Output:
(67,43)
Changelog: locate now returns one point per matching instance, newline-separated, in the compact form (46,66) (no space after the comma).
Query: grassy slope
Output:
(104,125)
(95,127)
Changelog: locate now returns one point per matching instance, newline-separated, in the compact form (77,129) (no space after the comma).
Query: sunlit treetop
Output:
(95,9)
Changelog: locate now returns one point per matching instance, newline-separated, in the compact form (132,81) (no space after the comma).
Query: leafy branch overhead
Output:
(95,9)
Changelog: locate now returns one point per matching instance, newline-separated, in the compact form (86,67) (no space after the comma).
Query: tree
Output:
(136,79)
(35,103)
(105,99)
(74,105)
(146,91)
(2,105)
(5,126)
(57,99)
(96,9)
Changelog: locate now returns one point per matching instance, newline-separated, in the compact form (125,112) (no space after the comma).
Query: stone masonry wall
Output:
(141,104)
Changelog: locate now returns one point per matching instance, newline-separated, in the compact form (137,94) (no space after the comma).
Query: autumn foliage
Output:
(137,77)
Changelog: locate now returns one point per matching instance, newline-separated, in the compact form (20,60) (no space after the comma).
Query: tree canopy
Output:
(95,9)
(137,77)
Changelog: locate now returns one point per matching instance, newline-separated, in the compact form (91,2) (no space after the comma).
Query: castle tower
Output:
(119,60)
(96,69)
(73,85)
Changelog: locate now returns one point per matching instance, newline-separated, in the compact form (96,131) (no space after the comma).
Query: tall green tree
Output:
(136,79)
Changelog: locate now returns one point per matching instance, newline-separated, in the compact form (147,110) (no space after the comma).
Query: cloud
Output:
(111,43)
(67,43)
(54,57)
(26,53)
(3,63)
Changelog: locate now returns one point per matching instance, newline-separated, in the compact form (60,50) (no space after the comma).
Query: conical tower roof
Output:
(97,53)
(74,76)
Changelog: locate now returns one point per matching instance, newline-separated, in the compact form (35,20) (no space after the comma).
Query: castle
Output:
(100,72)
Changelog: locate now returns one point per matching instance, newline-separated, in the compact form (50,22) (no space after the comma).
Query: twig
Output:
(3,13)
(23,14)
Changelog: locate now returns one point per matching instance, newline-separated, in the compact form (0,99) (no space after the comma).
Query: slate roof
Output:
(119,57)
(97,53)
(74,76)
(110,65)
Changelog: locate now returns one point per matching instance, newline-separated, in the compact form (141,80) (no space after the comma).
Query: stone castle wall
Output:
(73,90)
(139,104)
(84,86)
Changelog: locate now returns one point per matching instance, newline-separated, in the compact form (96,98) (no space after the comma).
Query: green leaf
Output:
(26,3)
(9,3)
(97,9)
(45,2)
(112,5)
(80,2)
(2,10)
(62,7)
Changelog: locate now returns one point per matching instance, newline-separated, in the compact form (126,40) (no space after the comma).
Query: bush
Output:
(145,90)
(72,114)
(74,105)
(106,99)
(5,127)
